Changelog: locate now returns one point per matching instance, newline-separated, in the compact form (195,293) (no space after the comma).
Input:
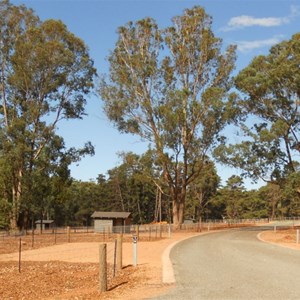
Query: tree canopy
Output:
(45,75)
(270,100)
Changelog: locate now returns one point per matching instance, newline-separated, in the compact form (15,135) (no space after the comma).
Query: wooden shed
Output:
(44,224)
(111,221)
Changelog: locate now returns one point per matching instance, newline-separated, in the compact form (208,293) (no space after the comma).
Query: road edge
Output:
(168,276)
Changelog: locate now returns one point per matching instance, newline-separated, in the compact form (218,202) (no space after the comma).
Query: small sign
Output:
(134,239)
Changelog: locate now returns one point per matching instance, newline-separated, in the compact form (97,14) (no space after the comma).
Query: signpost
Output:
(134,240)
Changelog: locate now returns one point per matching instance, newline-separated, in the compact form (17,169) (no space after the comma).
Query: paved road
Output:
(234,265)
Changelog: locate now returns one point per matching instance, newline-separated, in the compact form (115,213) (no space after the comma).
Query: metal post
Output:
(20,250)
(134,238)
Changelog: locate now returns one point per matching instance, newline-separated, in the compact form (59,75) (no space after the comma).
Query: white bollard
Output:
(134,239)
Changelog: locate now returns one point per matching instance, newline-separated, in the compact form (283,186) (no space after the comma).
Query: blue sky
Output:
(254,26)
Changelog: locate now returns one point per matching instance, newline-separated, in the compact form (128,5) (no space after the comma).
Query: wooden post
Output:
(32,239)
(102,268)
(115,257)
(297,236)
(137,232)
(119,252)
(68,233)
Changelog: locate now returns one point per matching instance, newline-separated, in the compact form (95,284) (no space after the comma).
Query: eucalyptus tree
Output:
(45,75)
(170,87)
(270,88)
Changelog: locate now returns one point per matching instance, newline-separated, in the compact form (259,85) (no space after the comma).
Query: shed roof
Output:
(44,221)
(110,215)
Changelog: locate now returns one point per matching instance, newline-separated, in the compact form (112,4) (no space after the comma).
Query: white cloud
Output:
(247,46)
(248,21)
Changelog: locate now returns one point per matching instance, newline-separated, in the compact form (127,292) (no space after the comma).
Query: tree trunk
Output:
(16,198)
(178,212)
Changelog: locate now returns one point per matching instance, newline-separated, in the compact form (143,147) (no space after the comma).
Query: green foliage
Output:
(201,191)
(4,214)
(272,194)
(234,202)
(291,194)
(45,75)
(270,105)
(132,187)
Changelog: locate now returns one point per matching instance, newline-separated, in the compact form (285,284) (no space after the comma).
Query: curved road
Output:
(234,265)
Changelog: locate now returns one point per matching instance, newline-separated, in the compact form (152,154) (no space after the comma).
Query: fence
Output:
(33,239)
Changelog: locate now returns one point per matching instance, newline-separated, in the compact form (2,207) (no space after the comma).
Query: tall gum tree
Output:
(45,76)
(170,87)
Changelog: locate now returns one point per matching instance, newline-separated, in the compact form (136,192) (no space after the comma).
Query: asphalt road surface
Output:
(234,265)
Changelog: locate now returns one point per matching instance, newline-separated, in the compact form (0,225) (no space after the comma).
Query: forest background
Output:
(47,74)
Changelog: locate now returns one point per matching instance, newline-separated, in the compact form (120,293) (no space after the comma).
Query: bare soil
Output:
(285,238)
(71,270)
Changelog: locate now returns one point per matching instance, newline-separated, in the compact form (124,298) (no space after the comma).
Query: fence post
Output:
(32,238)
(68,233)
(137,231)
(20,250)
(115,258)
(119,252)
(297,236)
(102,268)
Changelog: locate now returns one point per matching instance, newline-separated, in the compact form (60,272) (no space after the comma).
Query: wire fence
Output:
(33,239)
